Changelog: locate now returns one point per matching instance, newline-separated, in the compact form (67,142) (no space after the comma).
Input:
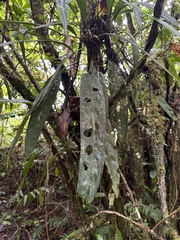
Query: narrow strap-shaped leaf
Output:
(40,110)
(82,7)
(164,14)
(166,108)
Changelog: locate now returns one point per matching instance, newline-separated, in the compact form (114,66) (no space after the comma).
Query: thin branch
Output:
(55,151)
(164,219)
(130,24)
(23,64)
(16,81)
(130,195)
(154,28)
(37,9)
(142,227)
(78,58)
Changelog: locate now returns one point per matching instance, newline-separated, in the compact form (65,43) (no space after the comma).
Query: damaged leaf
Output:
(96,142)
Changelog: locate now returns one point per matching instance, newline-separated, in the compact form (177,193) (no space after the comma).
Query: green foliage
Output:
(166,108)
(26,199)
(169,27)
(119,9)
(102,231)
(6,219)
(164,15)
(82,7)
(107,232)
(37,232)
(40,110)
(129,94)
(149,212)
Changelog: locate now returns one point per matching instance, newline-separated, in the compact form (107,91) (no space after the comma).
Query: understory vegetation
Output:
(89,119)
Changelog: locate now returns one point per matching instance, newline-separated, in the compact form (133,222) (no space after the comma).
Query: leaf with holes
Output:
(93,131)
(112,164)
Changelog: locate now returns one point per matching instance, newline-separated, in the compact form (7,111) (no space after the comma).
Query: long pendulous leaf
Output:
(93,126)
(96,140)
(40,110)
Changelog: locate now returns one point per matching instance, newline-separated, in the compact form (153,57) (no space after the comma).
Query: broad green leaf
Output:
(96,140)
(93,132)
(149,198)
(166,108)
(40,110)
(82,7)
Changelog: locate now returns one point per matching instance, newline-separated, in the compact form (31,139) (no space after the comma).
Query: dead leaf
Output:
(175,47)
(63,123)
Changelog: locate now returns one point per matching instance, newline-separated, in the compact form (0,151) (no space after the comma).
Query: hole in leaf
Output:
(97,126)
(87,99)
(85,167)
(89,150)
(95,89)
(88,132)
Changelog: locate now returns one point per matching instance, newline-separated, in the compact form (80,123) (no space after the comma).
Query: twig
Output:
(29,236)
(148,230)
(23,64)
(164,219)
(130,195)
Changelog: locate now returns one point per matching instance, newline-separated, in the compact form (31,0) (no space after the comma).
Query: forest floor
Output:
(34,203)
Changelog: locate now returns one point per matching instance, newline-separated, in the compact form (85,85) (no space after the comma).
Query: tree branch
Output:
(22,63)
(37,9)
(154,29)
(142,227)
(16,81)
